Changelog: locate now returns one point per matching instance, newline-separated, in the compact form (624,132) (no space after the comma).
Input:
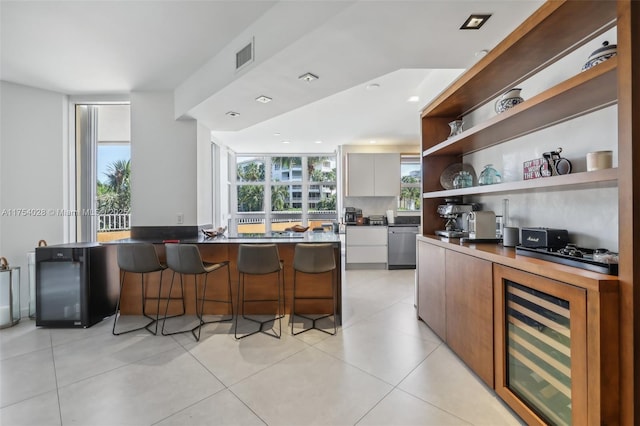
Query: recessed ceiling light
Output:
(263,99)
(372,86)
(308,77)
(474,22)
(413,99)
(372,141)
(285,141)
(318,141)
(233,114)
(276,134)
(481,53)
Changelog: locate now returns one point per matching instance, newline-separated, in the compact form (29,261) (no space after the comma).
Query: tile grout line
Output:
(55,375)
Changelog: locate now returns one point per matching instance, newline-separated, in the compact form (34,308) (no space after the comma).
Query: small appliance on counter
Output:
(351,215)
(482,225)
(376,220)
(544,238)
(455,213)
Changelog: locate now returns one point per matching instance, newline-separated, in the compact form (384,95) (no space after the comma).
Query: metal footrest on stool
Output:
(313,324)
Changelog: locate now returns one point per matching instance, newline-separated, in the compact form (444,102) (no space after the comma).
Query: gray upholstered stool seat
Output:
(139,258)
(185,259)
(260,259)
(311,258)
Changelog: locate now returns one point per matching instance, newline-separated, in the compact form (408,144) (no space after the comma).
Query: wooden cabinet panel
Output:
(469,308)
(431,287)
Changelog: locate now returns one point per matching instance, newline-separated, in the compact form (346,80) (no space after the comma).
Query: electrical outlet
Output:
(180,218)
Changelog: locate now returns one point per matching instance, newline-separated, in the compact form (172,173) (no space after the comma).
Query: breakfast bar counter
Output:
(223,248)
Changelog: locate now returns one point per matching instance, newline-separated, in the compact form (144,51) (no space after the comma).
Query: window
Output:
(276,192)
(103,170)
(410,183)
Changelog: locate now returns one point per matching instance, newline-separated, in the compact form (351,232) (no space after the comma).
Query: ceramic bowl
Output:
(601,54)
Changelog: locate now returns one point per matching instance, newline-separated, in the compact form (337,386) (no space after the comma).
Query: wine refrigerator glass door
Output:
(539,351)
(60,292)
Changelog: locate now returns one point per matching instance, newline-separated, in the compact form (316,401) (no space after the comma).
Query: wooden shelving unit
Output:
(556,29)
(581,94)
(606,177)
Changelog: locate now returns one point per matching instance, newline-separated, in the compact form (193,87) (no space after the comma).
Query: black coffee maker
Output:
(351,215)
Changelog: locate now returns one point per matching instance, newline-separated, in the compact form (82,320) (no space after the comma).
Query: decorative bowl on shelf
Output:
(449,174)
(600,55)
(508,100)
(489,176)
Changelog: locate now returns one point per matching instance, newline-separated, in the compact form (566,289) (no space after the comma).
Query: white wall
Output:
(163,162)
(205,177)
(590,215)
(33,145)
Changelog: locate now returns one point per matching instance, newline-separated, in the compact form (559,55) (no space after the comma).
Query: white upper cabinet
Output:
(373,175)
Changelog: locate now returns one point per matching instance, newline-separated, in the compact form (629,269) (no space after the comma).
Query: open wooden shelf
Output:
(555,29)
(585,92)
(572,181)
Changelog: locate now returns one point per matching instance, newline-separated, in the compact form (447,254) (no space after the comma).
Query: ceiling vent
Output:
(244,56)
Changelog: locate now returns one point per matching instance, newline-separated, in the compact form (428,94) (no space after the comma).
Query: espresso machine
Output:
(455,215)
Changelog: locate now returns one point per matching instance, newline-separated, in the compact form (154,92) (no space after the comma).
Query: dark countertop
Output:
(294,238)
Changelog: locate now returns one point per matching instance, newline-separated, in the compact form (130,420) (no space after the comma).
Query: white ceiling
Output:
(114,47)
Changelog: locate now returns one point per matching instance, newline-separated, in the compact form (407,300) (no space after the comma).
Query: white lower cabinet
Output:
(366,247)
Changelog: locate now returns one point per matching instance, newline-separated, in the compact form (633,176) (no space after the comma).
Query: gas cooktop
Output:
(579,257)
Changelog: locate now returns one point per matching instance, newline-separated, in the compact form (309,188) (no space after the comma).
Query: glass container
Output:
(463,179)
(489,176)
(9,294)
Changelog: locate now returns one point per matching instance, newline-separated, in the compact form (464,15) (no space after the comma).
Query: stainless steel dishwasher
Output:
(402,246)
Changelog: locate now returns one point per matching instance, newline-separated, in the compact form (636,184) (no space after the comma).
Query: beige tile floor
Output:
(383,367)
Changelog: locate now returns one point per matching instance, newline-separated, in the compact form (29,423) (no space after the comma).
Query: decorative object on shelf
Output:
(463,179)
(449,174)
(508,100)
(489,176)
(456,127)
(600,55)
(599,160)
(533,169)
(555,165)
(9,294)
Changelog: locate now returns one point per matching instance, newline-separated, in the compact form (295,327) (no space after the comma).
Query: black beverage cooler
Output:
(76,284)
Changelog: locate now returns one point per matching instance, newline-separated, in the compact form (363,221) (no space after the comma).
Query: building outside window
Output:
(410,183)
(277,192)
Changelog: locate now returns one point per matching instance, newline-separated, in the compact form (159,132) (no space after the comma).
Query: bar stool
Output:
(185,259)
(139,258)
(314,259)
(260,259)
